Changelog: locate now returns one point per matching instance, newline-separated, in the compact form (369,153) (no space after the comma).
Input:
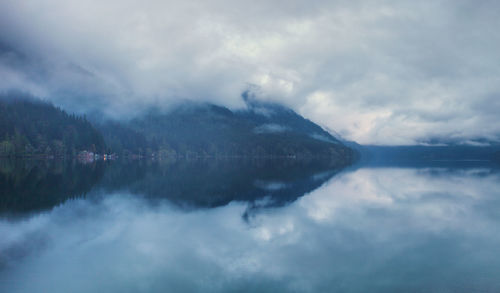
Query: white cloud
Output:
(388,72)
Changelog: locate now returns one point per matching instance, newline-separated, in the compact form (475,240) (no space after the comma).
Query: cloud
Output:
(375,71)
(270,128)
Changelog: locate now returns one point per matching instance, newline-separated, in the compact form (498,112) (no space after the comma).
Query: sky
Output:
(376,72)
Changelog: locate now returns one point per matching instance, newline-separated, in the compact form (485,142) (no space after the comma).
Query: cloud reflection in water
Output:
(386,229)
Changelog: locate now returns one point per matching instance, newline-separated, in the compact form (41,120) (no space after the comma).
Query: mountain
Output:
(201,129)
(30,127)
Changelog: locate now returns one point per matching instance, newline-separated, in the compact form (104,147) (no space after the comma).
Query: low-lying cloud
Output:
(380,72)
(270,128)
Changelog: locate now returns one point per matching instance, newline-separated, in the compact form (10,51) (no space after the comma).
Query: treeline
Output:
(30,127)
(205,130)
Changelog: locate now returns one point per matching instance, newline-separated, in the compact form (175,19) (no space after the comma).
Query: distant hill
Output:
(497,157)
(196,129)
(430,153)
(30,127)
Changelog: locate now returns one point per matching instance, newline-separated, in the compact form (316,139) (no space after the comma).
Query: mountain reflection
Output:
(31,185)
(386,229)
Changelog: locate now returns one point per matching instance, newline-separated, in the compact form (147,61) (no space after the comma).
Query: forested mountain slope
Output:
(30,127)
(195,129)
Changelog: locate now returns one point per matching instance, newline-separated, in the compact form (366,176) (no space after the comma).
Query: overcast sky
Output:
(378,72)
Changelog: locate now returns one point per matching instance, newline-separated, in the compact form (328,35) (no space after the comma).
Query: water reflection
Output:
(367,230)
(34,185)
(31,185)
(212,183)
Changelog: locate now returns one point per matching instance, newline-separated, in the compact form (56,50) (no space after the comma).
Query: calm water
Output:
(248,226)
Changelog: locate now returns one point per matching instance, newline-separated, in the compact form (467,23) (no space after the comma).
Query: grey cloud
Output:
(352,66)
(322,137)
(270,128)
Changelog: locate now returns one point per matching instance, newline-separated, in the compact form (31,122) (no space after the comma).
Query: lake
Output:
(249,226)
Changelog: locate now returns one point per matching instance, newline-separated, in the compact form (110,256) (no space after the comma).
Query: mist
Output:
(376,72)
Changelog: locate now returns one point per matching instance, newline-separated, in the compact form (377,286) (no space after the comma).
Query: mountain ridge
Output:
(204,129)
(32,127)
(187,130)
